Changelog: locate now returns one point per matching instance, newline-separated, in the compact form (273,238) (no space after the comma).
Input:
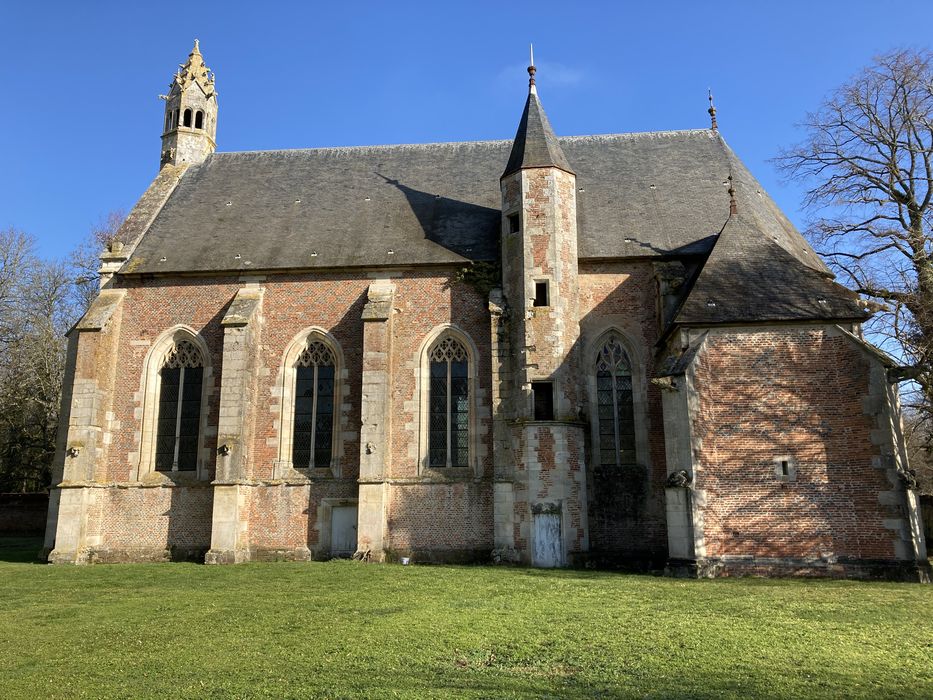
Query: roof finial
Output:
(712,111)
(733,204)
(197,48)
(531,72)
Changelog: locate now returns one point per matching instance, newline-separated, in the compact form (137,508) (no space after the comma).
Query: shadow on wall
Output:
(190,512)
(626,506)
(787,459)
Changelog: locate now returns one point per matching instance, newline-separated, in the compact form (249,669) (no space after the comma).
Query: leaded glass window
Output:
(179,418)
(615,408)
(313,435)
(448,405)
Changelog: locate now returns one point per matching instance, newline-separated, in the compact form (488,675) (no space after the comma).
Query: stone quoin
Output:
(606,350)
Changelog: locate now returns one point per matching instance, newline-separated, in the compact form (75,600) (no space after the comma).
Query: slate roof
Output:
(535,145)
(639,195)
(748,277)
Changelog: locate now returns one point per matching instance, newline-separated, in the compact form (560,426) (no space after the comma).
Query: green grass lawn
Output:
(346,629)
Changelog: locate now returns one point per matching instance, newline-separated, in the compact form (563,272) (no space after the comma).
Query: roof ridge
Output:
(482,142)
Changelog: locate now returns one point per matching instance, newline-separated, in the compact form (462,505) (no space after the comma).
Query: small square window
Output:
(785,468)
(513,222)
(544,400)
(541,294)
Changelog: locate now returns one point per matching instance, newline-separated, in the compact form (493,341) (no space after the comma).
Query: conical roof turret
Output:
(535,145)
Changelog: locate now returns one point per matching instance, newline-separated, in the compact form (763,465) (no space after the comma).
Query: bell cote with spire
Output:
(190,125)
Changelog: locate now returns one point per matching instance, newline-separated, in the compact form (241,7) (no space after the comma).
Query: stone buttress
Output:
(242,326)
(376,420)
(74,511)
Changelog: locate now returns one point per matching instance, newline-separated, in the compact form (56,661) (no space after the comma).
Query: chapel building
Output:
(595,350)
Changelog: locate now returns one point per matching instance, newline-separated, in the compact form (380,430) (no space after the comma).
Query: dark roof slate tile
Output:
(639,195)
(749,277)
(535,145)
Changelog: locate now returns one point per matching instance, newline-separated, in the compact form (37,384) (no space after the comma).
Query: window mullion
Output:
(449,391)
(615,418)
(178,405)
(313,416)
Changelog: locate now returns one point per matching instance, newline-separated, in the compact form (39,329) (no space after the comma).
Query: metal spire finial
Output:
(531,71)
(712,111)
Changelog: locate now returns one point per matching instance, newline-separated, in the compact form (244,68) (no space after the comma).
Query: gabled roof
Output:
(535,145)
(643,195)
(749,277)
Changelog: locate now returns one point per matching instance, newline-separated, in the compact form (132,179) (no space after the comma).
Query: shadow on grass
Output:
(20,549)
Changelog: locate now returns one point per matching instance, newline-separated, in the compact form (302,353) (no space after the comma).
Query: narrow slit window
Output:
(541,294)
(188,117)
(179,418)
(313,433)
(544,400)
(199,120)
(513,222)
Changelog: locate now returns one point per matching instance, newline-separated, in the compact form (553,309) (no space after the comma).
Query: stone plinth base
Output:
(865,569)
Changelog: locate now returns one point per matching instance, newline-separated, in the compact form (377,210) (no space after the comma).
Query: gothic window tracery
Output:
(448,405)
(179,416)
(615,405)
(312,437)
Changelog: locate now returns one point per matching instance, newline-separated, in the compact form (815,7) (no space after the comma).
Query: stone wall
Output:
(23,513)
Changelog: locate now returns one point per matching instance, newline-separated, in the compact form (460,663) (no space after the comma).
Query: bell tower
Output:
(190,125)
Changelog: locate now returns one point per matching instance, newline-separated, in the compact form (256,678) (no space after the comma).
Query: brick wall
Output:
(440,521)
(286,516)
(151,523)
(797,393)
(626,514)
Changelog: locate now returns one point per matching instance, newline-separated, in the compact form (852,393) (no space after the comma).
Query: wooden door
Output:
(343,531)
(548,550)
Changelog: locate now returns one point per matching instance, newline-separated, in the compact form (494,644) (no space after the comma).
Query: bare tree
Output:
(868,158)
(16,264)
(32,369)
(86,256)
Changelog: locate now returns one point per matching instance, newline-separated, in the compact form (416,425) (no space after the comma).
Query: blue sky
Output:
(80,125)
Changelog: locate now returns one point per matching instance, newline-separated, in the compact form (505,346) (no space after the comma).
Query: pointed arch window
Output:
(448,405)
(313,433)
(179,417)
(199,119)
(615,405)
